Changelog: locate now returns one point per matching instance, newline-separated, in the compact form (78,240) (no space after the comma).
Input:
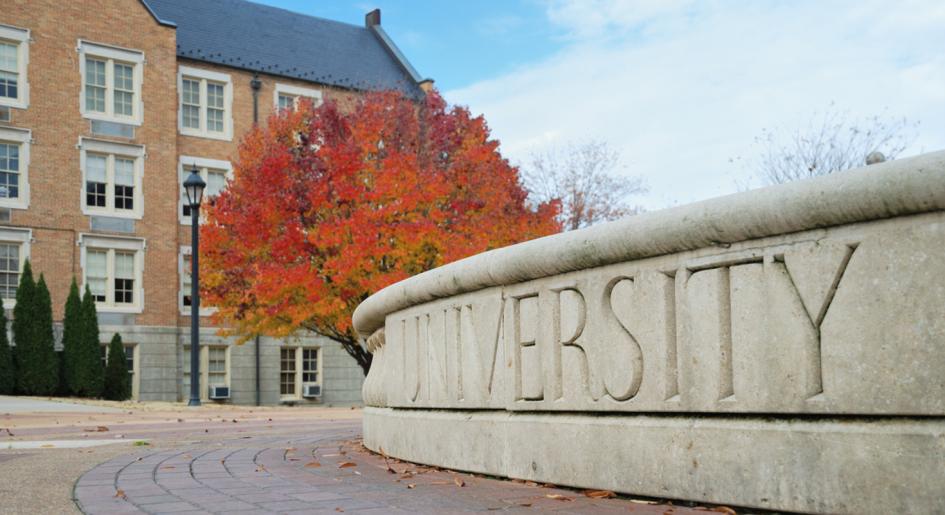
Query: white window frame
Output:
(205,370)
(20,37)
(110,54)
(24,138)
(285,89)
(203,76)
(185,165)
(183,257)
(299,385)
(111,244)
(111,149)
(22,237)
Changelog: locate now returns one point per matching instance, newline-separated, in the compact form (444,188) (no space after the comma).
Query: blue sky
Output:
(680,88)
(456,43)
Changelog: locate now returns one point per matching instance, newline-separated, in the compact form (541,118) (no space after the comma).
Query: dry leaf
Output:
(600,494)
(724,509)
(168,467)
(525,504)
(47,446)
(120,494)
(312,464)
(559,497)
(641,501)
(411,486)
(531,483)
(346,464)
(459,482)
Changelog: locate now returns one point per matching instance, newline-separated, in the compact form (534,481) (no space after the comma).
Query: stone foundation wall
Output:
(781,348)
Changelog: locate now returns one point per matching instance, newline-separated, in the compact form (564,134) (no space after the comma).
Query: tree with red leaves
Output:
(328,205)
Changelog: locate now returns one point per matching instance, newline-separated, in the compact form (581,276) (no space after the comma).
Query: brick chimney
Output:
(372,18)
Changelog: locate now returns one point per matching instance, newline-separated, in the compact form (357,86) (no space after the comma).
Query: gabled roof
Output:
(274,41)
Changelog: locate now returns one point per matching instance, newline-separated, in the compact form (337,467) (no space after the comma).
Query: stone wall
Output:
(781,349)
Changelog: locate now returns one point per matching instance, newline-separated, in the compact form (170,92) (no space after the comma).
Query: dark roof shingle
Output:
(269,40)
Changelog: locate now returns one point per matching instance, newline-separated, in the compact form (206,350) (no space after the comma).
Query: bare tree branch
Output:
(582,177)
(831,142)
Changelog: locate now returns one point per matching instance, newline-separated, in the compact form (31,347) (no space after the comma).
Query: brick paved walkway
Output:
(323,471)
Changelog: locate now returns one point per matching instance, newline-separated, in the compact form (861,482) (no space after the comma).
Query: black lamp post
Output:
(194,186)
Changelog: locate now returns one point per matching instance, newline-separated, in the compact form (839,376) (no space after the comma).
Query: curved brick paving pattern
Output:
(330,473)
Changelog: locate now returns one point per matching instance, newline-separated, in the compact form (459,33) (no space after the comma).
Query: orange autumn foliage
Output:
(328,205)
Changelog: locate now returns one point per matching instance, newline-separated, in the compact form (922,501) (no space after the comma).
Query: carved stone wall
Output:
(808,301)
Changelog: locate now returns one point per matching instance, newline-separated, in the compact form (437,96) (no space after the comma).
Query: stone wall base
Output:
(817,465)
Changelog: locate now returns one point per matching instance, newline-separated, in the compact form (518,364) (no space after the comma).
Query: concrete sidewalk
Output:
(36,405)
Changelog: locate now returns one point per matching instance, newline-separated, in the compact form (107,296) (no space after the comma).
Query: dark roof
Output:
(274,41)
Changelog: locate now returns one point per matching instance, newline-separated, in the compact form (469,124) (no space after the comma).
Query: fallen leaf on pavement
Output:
(120,494)
(346,464)
(411,486)
(600,494)
(559,497)
(525,504)
(459,482)
(641,501)
(168,467)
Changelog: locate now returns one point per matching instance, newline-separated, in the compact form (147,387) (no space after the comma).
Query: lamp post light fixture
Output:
(194,187)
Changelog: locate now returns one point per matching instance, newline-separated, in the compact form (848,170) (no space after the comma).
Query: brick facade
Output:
(159,329)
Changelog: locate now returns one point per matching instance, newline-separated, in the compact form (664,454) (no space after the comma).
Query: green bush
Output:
(35,353)
(91,354)
(23,327)
(7,370)
(117,380)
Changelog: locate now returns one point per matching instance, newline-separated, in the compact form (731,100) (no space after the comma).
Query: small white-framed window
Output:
(113,269)
(214,172)
(287,97)
(184,294)
(14,65)
(214,369)
(298,367)
(14,251)
(112,178)
(112,80)
(205,104)
(14,167)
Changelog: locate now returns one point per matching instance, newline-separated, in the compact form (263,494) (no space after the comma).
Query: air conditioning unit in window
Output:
(311,390)
(219,392)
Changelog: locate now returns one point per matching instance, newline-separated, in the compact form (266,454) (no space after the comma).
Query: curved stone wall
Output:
(782,348)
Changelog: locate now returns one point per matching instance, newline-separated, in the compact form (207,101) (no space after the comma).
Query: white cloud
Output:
(680,88)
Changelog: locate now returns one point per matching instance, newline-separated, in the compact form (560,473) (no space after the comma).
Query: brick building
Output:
(104,105)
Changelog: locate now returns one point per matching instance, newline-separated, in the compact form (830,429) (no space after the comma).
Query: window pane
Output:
(94,85)
(95,167)
(95,273)
(214,95)
(287,371)
(309,365)
(130,358)
(216,366)
(185,280)
(8,57)
(190,92)
(95,194)
(125,265)
(215,120)
(9,269)
(124,172)
(286,102)
(124,89)
(190,116)
(124,197)
(9,70)
(9,170)
(216,181)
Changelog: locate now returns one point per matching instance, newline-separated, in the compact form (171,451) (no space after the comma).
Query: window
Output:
(112,173)
(111,83)
(14,165)
(298,367)
(214,369)
(206,98)
(112,269)
(216,366)
(184,267)
(14,57)
(287,97)
(213,172)
(14,249)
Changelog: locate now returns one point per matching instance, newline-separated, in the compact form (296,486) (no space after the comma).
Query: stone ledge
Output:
(855,465)
(885,190)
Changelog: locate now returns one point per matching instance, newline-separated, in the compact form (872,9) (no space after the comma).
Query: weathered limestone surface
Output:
(816,299)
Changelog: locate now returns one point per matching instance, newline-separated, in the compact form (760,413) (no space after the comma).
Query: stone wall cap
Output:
(884,190)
